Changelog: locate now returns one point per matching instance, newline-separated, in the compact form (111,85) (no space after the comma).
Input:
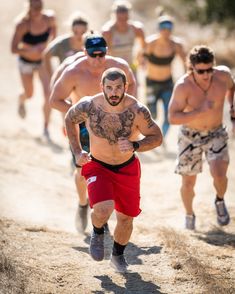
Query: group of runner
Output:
(95,89)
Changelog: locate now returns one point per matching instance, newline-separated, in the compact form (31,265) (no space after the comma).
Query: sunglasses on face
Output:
(94,55)
(202,71)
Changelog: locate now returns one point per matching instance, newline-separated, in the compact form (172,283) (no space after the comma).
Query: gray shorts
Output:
(193,143)
(28,67)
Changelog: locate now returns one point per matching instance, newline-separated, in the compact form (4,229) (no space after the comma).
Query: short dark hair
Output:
(113,74)
(201,54)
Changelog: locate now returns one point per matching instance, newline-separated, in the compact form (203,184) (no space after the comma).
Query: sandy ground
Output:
(41,252)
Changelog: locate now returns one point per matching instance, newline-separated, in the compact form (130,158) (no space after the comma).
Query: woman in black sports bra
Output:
(160,52)
(33,31)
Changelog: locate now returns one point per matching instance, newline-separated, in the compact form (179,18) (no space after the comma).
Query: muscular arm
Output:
(61,91)
(77,113)
(176,111)
(53,27)
(181,52)
(231,89)
(47,61)
(148,128)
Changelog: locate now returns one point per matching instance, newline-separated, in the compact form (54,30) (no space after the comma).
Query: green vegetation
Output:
(209,11)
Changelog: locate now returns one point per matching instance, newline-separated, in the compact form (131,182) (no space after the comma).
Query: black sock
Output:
(83,206)
(118,249)
(218,198)
(98,231)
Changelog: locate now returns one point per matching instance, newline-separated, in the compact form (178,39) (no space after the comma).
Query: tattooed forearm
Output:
(147,115)
(73,135)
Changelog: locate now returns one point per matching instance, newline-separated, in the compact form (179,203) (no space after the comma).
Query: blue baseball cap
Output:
(95,43)
(165,25)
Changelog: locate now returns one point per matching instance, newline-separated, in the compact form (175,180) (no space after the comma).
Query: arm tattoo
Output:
(111,126)
(147,115)
(79,112)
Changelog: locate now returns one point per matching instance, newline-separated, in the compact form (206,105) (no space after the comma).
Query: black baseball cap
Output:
(95,43)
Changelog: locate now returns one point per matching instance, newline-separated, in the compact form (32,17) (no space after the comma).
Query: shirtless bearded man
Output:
(114,120)
(81,78)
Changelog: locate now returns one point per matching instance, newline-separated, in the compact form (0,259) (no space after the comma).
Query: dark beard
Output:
(116,103)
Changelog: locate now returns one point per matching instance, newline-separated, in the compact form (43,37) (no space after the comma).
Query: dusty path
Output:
(40,251)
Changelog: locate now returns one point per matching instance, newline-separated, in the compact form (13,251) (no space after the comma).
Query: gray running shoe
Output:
(222,213)
(81,218)
(190,222)
(97,246)
(119,263)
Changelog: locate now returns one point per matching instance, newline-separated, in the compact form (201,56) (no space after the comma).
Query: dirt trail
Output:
(40,251)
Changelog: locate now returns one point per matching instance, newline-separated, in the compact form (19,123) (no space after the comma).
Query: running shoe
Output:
(81,218)
(222,213)
(190,222)
(119,263)
(97,246)
(21,110)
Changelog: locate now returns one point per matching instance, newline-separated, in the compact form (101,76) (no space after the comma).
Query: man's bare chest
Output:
(214,93)
(87,85)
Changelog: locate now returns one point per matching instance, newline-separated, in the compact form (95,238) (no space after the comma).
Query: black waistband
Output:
(114,168)
(31,61)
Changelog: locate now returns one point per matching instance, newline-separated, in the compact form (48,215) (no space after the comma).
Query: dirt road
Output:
(40,250)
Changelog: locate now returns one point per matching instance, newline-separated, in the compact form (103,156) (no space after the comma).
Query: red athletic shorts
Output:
(120,183)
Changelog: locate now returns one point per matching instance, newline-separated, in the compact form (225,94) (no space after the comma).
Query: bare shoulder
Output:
(177,40)
(183,84)
(49,13)
(222,70)
(151,39)
(21,24)
(224,74)
(136,25)
(116,62)
(76,65)
(107,27)
(137,107)
(71,59)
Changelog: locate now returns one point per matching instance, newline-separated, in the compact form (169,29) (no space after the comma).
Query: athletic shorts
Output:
(28,67)
(192,144)
(85,142)
(120,183)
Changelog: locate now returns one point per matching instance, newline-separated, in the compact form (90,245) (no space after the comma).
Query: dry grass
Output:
(185,256)
(11,280)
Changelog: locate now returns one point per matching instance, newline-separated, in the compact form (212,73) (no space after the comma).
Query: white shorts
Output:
(28,67)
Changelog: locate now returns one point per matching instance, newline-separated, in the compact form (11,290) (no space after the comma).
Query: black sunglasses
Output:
(94,55)
(202,71)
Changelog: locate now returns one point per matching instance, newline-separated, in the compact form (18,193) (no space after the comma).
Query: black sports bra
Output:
(159,60)
(31,39)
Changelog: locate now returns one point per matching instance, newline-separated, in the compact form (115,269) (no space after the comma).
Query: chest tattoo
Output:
(111,126)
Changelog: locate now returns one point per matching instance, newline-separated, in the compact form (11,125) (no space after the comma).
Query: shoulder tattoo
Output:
(81,111)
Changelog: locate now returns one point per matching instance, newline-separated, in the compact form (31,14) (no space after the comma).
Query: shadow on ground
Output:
(217,237)
(133,284)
